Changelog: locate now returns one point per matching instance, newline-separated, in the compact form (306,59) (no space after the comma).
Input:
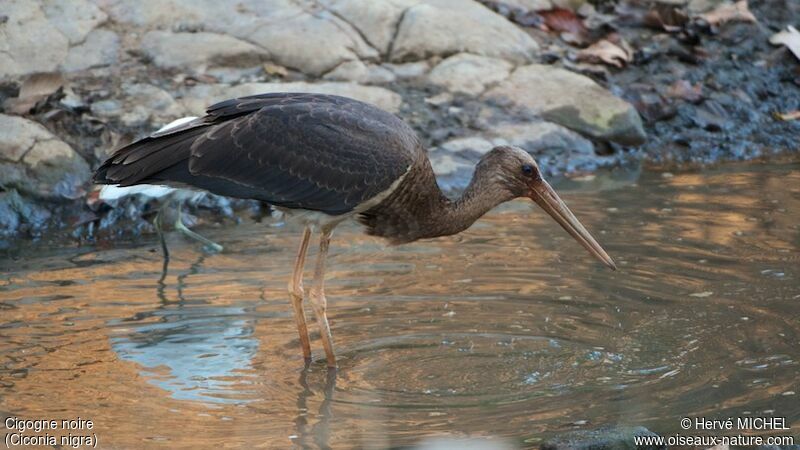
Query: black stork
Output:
(324,159)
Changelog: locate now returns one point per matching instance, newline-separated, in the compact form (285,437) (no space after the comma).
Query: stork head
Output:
(517,172)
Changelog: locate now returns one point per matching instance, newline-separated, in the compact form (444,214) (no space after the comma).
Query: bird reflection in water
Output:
(201,345)
(320,431)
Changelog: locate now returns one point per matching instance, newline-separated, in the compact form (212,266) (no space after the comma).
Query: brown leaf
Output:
(34,89)
(563,20)
(606,52)
(790,38)
(729,12)
(666,16)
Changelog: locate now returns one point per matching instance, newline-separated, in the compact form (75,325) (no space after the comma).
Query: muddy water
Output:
(508,330)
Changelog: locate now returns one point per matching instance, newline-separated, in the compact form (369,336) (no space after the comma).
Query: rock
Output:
(18,214)
(453,171)
(376,21)
(35,162)
(145,102)
(610,438)
(444,27)
(305,37)
(313,44)
(99,49)
(571,100)
(75,19)
(359,72)
(409,70)
(530,5)
(543,137)
(106,108)
(21,38)
(475,144)
(194,52)
(469,74)
(546,141)
(198,98)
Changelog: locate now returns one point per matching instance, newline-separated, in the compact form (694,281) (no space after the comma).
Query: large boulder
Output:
(75,19)
(100,48)
(198,98)
(376,20)
(469,74)
(29,43)
(195,52)
(35,162)
(305,37)
(140,104)
(571,100)
(445,27)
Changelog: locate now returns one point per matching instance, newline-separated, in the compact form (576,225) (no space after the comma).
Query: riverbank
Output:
(579,86)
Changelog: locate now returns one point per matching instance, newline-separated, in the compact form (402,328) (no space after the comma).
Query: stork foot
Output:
(209,245)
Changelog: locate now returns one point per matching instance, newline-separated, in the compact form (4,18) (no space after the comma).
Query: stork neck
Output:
(481,195)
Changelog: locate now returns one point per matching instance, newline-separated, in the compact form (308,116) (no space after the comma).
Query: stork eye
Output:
(527,169)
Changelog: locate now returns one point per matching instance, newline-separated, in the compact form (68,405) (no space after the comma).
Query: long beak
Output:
(544,196)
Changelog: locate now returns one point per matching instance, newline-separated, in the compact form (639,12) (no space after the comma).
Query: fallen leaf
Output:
(606,52)
(789,38)
(792,115)
(35,88)
(565,21)
(729,12)
(666,16)
(274,69)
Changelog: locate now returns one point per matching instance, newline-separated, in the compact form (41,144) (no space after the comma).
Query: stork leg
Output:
(182,228)
(296,293)
(158,223)
(317,297)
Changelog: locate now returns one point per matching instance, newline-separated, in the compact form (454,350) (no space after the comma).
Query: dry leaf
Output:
(34,89)
(666,16)
(274,69)
(564,21)
(729,12)
(792,115)
(790,38)
(606,52)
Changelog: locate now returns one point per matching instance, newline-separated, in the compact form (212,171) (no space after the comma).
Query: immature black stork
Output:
(325,159)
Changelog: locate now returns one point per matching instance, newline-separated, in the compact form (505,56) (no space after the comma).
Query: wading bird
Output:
(325,159)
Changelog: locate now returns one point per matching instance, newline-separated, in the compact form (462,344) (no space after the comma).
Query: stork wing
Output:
(317,152)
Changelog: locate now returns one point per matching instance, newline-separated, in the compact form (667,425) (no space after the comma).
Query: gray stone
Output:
(195,52)
(409,70)
(35,162)
(359,72)
(147,103)
(313,44)
(75,19)
(376,20)
(542,137)
(444,27)
(571,100)
(303,36)
(99,49)
(469,74)
(530,5)
(610,438)
(198,98)
(106,108)
(21,38)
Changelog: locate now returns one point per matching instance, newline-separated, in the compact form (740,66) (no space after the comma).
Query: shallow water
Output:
(508,330)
